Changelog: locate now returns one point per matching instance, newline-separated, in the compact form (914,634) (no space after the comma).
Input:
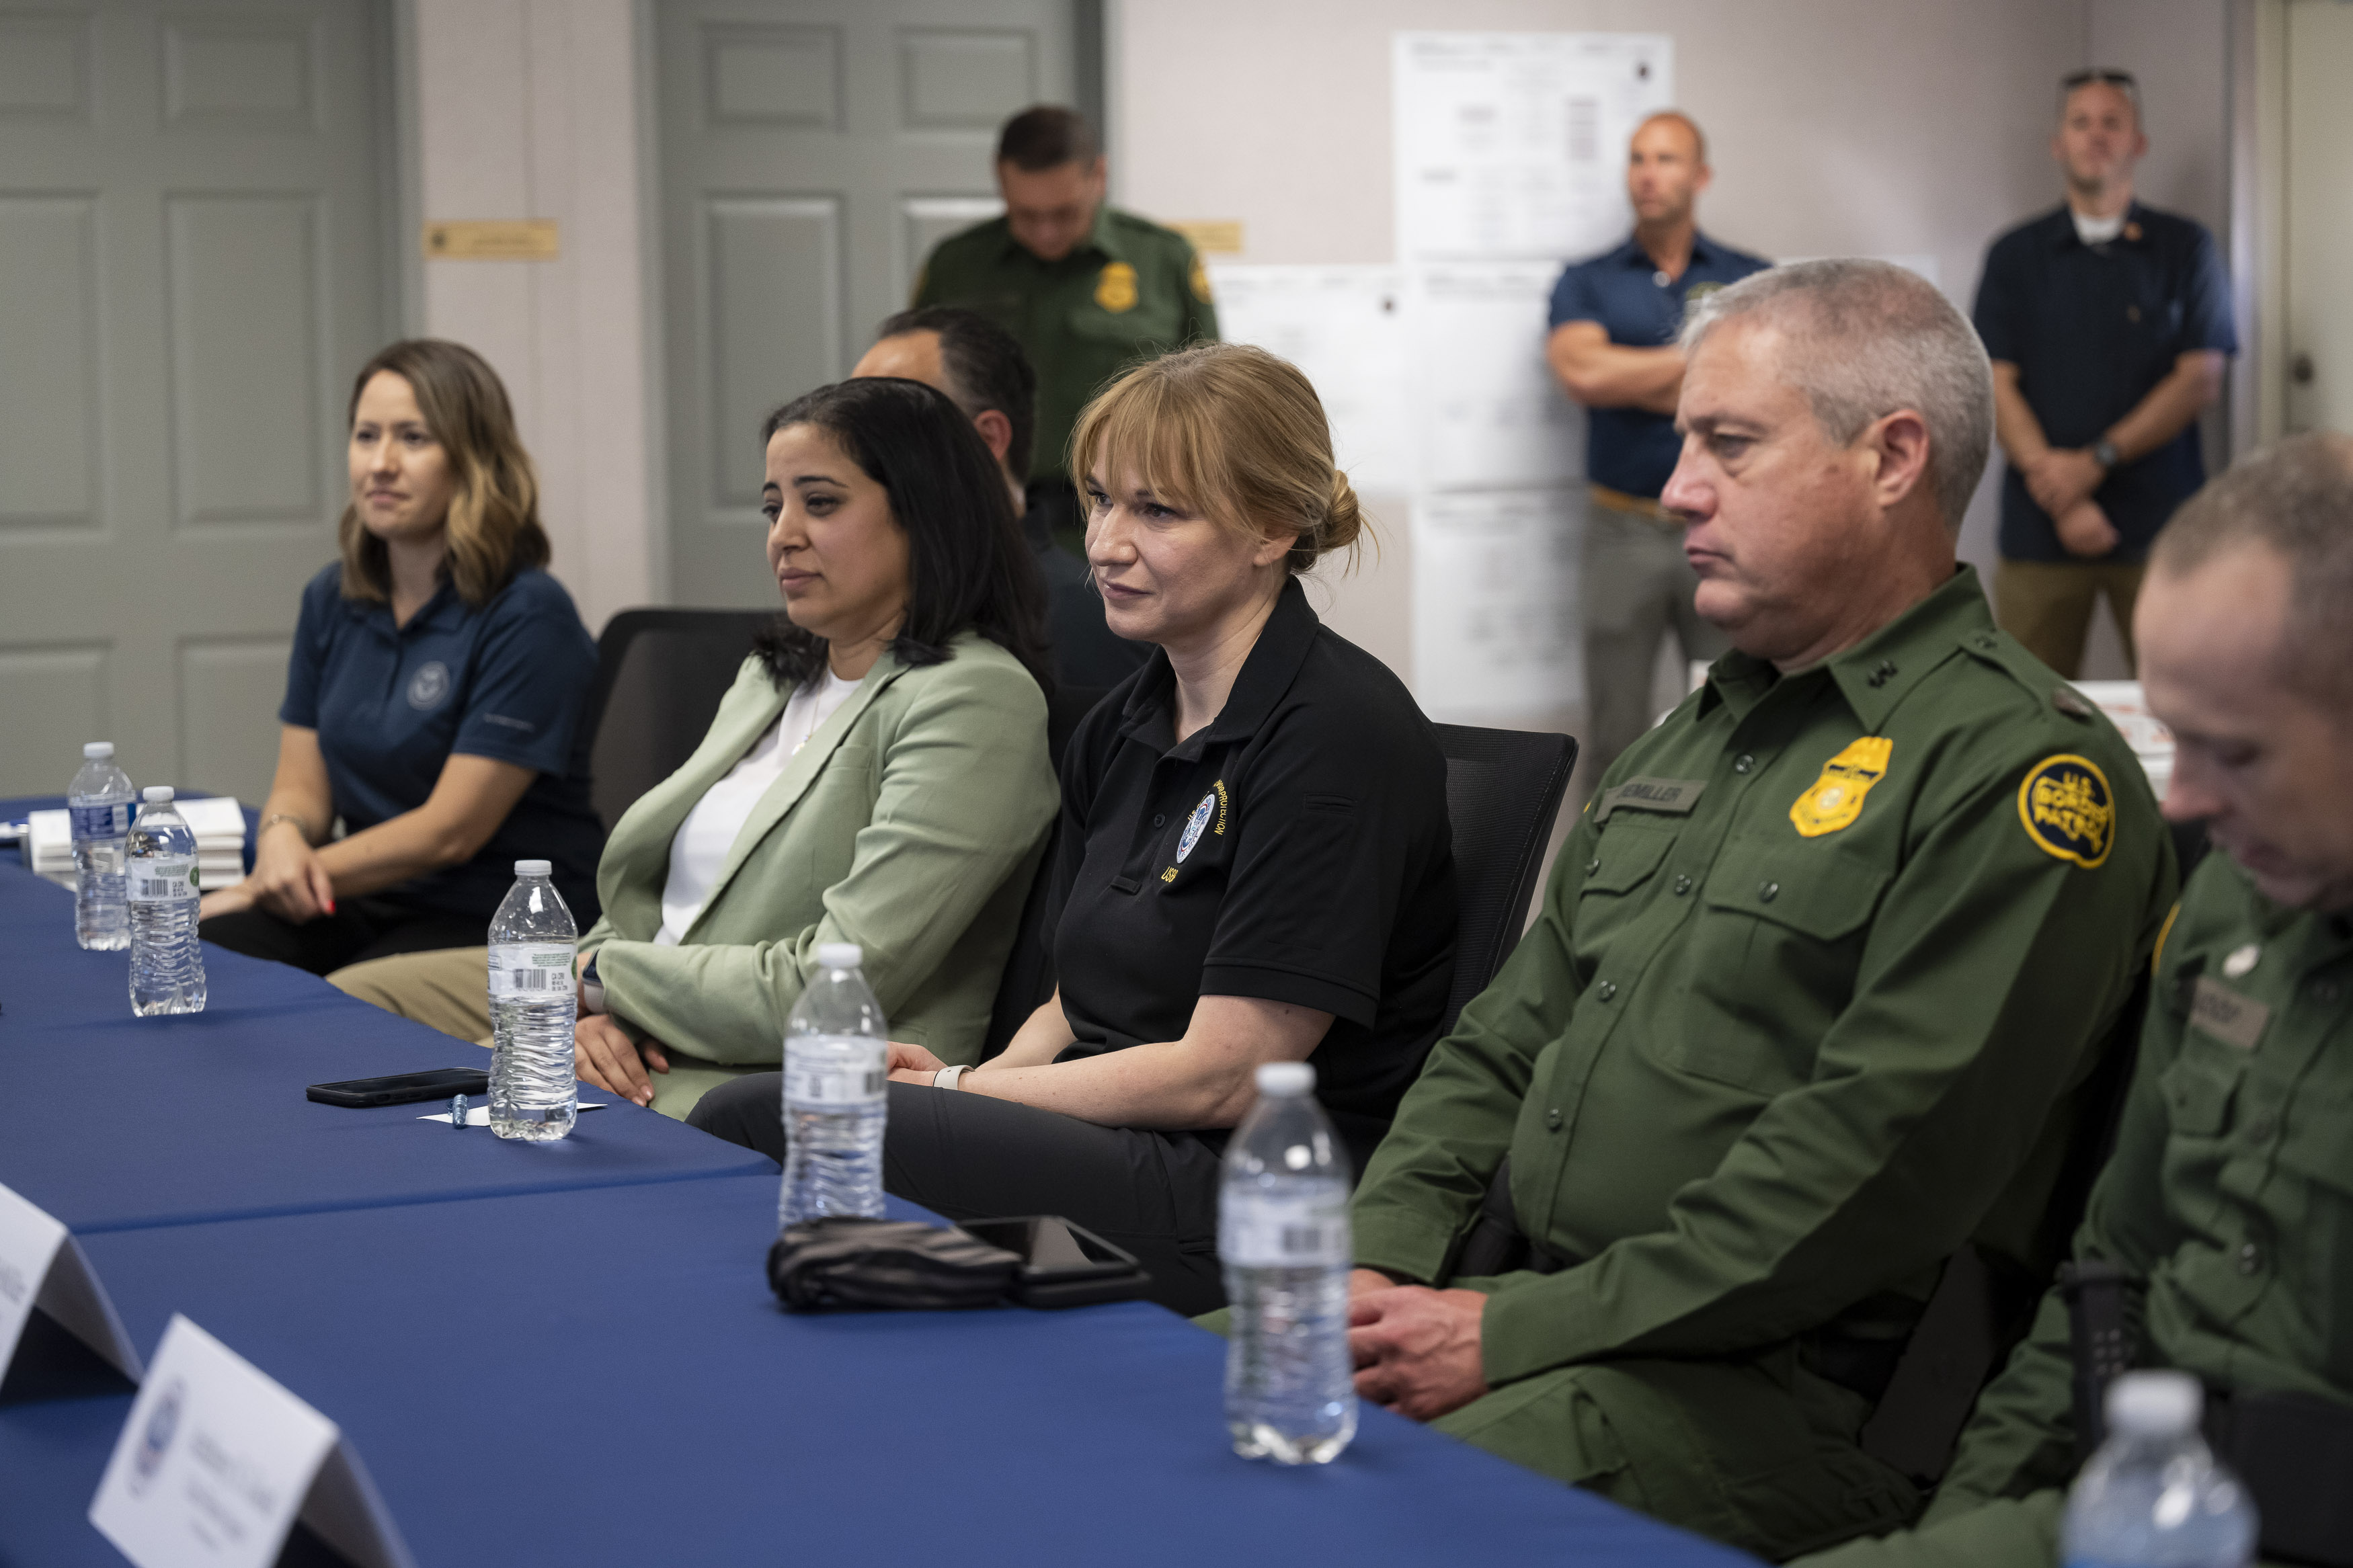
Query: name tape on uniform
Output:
(42,1266)
(2233,1019)
(1674,797)
(217,1461)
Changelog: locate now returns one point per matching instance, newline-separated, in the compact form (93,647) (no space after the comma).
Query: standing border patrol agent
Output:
(1615,319)
(2108,322)
(1816,979)
(2225,1217)
(1086,289)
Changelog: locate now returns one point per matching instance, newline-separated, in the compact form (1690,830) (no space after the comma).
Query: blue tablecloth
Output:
(112,1121)
(602,1377)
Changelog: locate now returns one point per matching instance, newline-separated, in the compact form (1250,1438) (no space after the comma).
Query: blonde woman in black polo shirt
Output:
(1253,863)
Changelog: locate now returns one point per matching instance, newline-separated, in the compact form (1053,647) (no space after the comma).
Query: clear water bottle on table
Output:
(533,1094)
(836,1057)
(99,807)
(168,960)
(2155,1496)
(1282,1237)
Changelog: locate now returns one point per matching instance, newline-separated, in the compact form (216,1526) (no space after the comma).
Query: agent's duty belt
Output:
(1646,508)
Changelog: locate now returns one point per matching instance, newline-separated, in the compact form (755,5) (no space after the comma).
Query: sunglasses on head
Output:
(2073,79)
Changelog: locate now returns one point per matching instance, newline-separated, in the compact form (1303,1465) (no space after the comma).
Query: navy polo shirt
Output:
(509,682)
(1633,450)
(2091,329)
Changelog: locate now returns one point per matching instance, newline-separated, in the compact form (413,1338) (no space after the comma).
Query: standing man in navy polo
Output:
(1615,319)
(2108,322)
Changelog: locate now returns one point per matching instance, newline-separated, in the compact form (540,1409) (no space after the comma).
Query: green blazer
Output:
(911,823)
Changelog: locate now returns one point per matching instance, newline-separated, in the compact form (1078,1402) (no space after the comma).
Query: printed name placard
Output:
(216,1462)
(42,1266)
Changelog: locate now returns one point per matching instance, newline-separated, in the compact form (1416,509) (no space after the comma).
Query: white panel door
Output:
(2319,199)
(191,271)
(812,153)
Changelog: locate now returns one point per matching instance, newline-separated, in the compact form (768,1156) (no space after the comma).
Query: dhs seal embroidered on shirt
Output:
(429,686)
(2068,809)
(1196,825)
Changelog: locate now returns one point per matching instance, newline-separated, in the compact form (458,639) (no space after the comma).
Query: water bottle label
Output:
(99,821)
(1284,1233)
(161,881)
(530,971)
(833,1087)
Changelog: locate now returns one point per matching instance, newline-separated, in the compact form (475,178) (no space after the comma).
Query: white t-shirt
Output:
(2097,231)
(703,839)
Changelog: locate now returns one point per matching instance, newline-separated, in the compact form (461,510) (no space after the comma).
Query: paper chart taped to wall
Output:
(1345,329)
(1488,412)
(1495,601)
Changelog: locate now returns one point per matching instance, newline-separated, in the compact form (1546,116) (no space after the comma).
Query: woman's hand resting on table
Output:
(604,1054)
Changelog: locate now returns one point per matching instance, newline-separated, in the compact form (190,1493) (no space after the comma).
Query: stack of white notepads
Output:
(217,822)
(2151,741)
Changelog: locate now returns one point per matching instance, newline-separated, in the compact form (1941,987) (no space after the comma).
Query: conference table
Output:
(569,1353)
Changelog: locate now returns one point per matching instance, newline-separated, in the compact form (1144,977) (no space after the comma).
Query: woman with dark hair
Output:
(434,696)
(878,774)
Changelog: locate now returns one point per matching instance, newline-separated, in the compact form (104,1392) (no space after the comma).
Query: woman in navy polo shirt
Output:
(434,696)
(1254,862)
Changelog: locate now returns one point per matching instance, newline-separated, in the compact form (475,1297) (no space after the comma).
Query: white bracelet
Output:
(947,1077)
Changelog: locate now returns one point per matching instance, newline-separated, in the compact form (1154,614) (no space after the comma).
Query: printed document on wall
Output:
(1512,146)
(1495,601)
(1345,328)
(1490,416)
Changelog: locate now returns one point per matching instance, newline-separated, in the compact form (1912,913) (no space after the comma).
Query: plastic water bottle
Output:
(533,1095)
(167,962)
(98,806)
(2154,1496)
(836,1055)
(1282,1237)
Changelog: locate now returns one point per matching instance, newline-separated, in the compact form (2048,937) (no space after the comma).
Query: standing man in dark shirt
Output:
(984,372)
(1085,289)
(2108,322)
(1614,324)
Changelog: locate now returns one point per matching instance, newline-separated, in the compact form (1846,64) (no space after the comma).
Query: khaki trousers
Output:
(2047,605)
(449,991)
(1633,586)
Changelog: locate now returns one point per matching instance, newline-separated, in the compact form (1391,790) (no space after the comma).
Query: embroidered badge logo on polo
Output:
(1195,825)
(429,686)
(1836,798)
(2068,809)
(1115,290)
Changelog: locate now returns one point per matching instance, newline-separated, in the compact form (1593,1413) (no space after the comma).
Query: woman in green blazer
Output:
(877,774)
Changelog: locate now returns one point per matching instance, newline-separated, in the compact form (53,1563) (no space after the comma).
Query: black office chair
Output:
(1503,788)
(659,677)
(1028,977)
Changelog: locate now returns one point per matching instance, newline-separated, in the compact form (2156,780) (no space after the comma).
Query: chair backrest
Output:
(659,677)
(1503,788)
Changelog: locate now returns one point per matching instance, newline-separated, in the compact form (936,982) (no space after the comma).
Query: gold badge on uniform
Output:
(1200,280)
(1836,798)
(2068,809)
(1115,290)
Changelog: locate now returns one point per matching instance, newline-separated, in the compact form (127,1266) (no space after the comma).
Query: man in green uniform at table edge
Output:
(2229,1200)
(1087,289)
(1815,983)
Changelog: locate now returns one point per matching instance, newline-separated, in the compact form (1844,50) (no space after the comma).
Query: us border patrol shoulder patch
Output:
(2069,810)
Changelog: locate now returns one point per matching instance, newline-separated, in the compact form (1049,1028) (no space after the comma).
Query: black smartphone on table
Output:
(1063,1264)
(402,1088)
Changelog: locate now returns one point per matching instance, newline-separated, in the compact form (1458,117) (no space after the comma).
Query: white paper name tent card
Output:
(216,1462)
(42,1266)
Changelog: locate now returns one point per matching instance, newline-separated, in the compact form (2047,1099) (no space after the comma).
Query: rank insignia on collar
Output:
(2068,809)
(1115,288)
(1836,798)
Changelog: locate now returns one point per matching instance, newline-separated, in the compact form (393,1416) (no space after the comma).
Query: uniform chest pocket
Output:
(1151,320)
(2198,1091)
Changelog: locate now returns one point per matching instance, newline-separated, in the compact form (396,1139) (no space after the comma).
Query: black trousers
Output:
(973,1156)
(359,930)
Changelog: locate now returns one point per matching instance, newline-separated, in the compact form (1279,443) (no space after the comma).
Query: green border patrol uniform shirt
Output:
(1130,290)
(1811,978)
(2230,1193)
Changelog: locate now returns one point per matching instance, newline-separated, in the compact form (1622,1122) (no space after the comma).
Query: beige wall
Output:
(1837,127)
(529,108)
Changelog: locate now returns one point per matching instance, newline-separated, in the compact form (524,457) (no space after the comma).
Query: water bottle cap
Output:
(1284,1080)
(155,794)
(98,750)
(533,867)
(2151,1404)
(839,955)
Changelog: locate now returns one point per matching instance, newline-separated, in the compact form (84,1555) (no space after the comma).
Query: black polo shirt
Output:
(1295,849)
(2091,329)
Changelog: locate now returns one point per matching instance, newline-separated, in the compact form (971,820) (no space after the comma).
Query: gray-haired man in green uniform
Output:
(2229,1201)
(1815,982)
(1086,287)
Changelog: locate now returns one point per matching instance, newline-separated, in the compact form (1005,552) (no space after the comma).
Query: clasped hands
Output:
(287,880)
(2062,482)
(1416,1351)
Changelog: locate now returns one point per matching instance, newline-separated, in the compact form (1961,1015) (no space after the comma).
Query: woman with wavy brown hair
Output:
(435,694)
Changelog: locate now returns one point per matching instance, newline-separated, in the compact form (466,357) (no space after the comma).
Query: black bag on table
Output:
(845,1263)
